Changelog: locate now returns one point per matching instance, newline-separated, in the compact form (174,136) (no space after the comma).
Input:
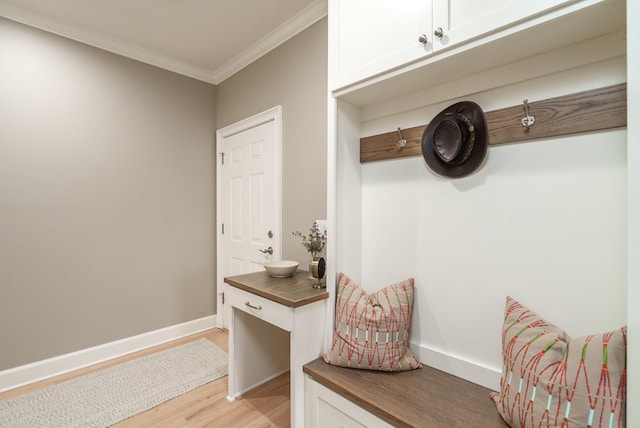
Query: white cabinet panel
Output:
(327,409)
(463,20)
(330,417)
(373,36)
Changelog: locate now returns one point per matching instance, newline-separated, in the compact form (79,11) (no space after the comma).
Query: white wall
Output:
(543,221)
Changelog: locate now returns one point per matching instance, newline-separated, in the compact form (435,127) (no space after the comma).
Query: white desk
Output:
(277,324)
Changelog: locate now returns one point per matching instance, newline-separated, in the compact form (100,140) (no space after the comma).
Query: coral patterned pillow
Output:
(551,380)
(372,330)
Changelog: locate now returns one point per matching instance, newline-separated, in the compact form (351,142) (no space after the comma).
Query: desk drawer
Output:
(265,309)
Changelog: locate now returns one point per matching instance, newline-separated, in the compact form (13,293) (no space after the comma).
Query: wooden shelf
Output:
(593,110)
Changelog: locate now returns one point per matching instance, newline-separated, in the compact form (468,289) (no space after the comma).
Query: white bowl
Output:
(281,268)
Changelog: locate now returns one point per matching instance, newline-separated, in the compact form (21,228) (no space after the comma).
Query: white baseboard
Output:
(44,369)
(231,398)
(458,366)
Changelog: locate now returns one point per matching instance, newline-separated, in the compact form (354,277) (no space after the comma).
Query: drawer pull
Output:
(257,308)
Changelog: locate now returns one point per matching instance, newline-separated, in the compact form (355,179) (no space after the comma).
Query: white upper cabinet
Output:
(371,37)
(458,21)
(368,37)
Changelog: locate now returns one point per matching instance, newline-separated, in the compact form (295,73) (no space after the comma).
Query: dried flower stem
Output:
(315,241)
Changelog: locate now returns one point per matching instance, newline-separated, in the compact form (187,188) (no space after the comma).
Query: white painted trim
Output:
(290,28)
(44,369)
(115,46)
(458,366)
(298,23)
(232,398)
(274,113)
(633,217)
(560,60)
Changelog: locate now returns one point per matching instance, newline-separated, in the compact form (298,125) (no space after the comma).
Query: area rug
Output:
(111,395)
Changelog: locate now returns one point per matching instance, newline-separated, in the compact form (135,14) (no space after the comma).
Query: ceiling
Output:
(208,40)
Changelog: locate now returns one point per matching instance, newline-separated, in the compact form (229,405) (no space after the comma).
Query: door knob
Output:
(267,251)
(423,40)
(438,33)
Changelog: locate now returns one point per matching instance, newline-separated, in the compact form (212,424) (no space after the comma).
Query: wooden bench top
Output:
(425,397)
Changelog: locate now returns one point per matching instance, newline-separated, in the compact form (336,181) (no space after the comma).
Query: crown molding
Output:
(298,23)
(290,28)
(115,46)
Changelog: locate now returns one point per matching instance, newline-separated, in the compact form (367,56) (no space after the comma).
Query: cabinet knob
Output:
(438,33)
(423,39)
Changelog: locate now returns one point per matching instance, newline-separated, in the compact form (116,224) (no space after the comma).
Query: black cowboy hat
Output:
(454,144)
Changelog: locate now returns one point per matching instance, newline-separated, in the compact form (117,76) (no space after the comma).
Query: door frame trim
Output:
(273,114)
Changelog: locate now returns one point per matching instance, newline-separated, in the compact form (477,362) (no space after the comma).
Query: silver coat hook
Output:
(401,142)
(527,120)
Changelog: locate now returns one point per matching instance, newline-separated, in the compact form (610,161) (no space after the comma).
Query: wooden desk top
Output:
(294,291)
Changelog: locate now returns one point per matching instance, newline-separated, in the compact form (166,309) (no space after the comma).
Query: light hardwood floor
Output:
(207,406)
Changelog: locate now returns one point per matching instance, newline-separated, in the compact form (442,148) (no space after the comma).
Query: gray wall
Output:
(295,76)
(107,196)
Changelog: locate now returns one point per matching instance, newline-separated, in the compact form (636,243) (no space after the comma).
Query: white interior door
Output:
(248,199)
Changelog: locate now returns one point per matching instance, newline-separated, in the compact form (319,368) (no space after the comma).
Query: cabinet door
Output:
(332,417)
(463,20)
(372,36)
(326,409)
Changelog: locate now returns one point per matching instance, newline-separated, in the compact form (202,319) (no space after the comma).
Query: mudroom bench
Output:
(427,397)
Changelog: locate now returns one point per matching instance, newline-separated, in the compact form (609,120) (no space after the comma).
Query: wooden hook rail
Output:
(593,110)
